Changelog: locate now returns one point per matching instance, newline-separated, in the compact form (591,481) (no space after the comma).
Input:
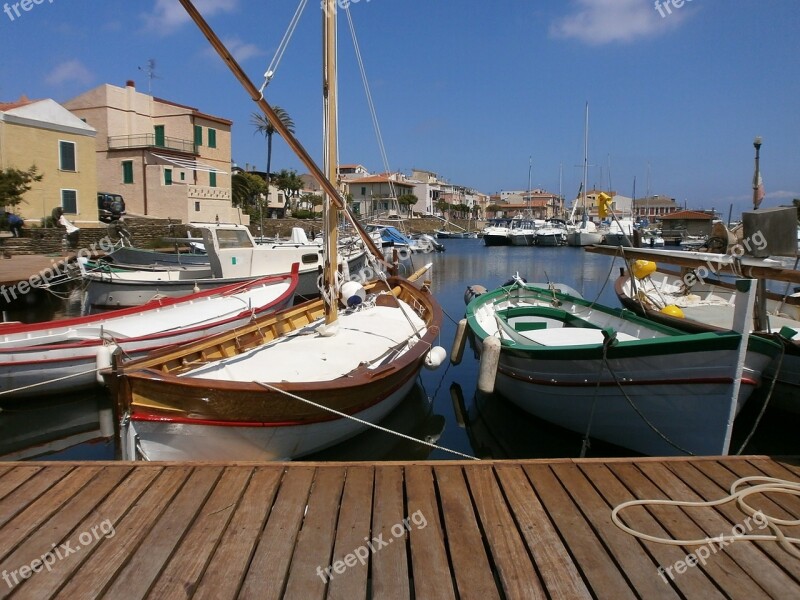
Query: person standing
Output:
(15,224)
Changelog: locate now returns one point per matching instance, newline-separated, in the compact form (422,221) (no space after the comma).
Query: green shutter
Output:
(159,133)
(198,135)
(212,178)
(167,176)
(127,171)
(212,138)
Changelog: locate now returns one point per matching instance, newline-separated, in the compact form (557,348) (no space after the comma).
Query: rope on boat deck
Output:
(363,422)
(769,485)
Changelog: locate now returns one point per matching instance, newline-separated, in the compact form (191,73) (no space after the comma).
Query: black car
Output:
(110,207)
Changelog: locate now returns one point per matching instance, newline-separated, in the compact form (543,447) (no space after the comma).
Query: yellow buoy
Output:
(643,268)
(672,311)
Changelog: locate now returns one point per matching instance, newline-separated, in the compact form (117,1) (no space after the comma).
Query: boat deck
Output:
(521,529)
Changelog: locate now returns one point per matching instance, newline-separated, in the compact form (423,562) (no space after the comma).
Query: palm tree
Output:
(264,127)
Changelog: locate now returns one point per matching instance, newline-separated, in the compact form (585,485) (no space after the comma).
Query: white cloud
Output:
(71,71)
(169,15)
(240,50)
(598,22)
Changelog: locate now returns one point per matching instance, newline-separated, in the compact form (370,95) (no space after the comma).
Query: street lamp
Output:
(757,175)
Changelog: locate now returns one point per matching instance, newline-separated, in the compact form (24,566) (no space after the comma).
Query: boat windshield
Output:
(233,238)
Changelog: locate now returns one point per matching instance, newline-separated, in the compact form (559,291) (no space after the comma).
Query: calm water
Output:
(443,408)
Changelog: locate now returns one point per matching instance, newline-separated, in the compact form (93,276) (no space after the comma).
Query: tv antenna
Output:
(150,71)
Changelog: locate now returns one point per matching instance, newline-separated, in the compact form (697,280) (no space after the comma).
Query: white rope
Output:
(273,66)
(41,383)
(770,485)
(367,423)
(370,102)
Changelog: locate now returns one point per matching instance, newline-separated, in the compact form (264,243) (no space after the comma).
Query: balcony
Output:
(148,140)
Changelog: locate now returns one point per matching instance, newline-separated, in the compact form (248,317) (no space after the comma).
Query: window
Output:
(183,175)
(69,201)
(66,153)
(198,135)
(212,138)
(196,207)
(127,171)
(167,176)
(212,178)
(159,133)
(363,191)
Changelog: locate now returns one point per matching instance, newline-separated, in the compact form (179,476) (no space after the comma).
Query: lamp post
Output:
(757,174)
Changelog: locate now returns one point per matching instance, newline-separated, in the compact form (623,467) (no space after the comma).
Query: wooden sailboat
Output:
(286,385)
(585,233)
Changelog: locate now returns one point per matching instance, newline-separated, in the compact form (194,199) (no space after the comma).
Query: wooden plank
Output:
(591,557)
(181,576)
(43,508)
(97,574)
(790,464)
(751,557)
(60,527)
(224,575)
(723,477)
(29,491)
(112,509)
(430,564)
(269,567)
(314,549)
(561,578)
(626,551)
(15,477)
(511,558)
(770,468)
(699,523)
(146,564)
(694,583)
(390,569)
(353,532)
(472,569)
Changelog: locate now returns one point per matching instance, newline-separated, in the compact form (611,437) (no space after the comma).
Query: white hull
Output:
(551,238)
(163,441)
(584,238)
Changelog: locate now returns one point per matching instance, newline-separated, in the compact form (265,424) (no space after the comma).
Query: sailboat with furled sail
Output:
(298,381)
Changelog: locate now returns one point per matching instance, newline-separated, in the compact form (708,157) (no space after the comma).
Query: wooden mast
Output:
(268,111)
(330,163)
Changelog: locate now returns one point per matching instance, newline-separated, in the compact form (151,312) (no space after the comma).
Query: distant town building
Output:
(537,204)
(376,195)
(166,159)
(62,146)
(678,225)
(653,207)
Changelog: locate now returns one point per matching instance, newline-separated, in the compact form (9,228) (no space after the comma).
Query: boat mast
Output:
(330,164)
(585,156)
(530,166)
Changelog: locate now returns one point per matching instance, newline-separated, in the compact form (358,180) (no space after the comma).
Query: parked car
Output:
(110,207)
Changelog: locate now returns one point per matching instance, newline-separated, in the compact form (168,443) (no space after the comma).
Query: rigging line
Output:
(41,383)
(370,102)
(363,422)
(273,66)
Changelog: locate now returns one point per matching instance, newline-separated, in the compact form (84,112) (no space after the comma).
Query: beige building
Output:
(165,159)
(45,134)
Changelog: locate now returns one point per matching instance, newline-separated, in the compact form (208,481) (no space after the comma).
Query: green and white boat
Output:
(621,378)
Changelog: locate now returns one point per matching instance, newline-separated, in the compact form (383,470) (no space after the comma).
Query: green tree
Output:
(405,201)
(442,206)
(15,182)
(249,191)
(289,183)
(267,129)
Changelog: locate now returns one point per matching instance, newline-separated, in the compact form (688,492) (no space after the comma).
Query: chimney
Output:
(130,83)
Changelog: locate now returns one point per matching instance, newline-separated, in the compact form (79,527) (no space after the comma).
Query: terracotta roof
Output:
(379,179)
(691,215)
(23,100)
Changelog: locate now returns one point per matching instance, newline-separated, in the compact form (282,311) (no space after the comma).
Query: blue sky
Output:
(468,89)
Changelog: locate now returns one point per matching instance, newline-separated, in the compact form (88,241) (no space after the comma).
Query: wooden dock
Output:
(484,530)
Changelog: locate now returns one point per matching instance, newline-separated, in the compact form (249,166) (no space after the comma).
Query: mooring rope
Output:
(769,485)
(363,422)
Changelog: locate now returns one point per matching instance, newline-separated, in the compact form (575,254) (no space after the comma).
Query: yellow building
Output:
(165,159)
(62,146)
